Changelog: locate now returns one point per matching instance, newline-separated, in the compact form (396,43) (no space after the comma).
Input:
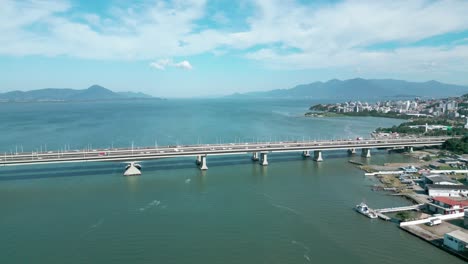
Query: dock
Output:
(385,173)
(399,209)
(383,217)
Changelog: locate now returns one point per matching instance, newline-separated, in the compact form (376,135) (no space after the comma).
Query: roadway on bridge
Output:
(143,153)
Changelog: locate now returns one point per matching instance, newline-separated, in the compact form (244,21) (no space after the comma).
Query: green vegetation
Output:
(403,216)
(321,114)
(404,128)
(427,158)
(374,113)
(457,145)
(319,107)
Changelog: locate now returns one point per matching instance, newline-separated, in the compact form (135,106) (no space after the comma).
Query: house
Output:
(438,190)
(446,205)
(456,240)
(440,179)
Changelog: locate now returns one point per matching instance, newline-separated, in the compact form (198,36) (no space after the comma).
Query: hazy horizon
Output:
(204,96)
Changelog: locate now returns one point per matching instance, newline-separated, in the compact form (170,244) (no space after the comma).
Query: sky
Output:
(199,48)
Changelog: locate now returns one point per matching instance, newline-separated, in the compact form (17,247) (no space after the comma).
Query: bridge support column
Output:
(198,161)
(264,159)
(352,151)
(203,163)
(306,153)
(409,149)
(366,153)
(318,156)
(255,156)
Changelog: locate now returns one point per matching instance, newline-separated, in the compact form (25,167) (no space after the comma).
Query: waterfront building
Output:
(446,205)
(456,240)
(436,190)
(450,161)
(440,180)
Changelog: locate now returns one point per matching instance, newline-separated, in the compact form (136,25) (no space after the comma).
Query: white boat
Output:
(364,209)
(132,169)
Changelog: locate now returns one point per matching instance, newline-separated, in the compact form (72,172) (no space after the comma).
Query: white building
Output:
(435,190)
(456,240)
(440,179)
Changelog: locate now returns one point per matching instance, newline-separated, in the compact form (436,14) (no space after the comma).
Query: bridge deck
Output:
(144,153)
(399,209)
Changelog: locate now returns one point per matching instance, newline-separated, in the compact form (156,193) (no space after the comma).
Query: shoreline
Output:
(333,114)
(391,183)
(435,242)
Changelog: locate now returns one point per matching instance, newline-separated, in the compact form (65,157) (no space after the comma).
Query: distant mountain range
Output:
(94,92)
(362,89)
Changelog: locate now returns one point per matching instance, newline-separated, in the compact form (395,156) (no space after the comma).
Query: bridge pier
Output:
(255,156)
(203,163)
(365,152)
(352,151)
(318,155)
(198,161)
(306,153)
(409,149)
(264,159)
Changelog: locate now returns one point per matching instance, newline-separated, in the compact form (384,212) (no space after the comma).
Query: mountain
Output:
(362,89)
(135,95)
(94,92)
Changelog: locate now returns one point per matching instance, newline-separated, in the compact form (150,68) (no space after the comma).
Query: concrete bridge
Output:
(400,209)
(259,151)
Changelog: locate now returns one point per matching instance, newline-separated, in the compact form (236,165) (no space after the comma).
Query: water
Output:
(293,211)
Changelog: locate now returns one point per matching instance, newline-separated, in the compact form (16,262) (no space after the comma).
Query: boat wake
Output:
(286,208)
(150,205)
(267,196)
(303,246)
(98,223)
(93,227)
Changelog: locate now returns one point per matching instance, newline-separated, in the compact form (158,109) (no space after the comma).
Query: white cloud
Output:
(164,63)
(183,65)
(318,36)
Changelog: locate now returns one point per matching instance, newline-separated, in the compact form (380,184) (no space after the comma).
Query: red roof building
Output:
(446,205)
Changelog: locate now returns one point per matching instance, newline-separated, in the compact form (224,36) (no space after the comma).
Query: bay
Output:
(293,211)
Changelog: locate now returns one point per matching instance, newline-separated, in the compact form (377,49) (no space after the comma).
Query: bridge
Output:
(400,209)
(259,151)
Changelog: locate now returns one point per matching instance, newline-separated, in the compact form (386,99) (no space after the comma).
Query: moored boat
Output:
(364,209)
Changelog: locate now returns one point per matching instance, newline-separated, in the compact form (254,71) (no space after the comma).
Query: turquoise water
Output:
(293,211)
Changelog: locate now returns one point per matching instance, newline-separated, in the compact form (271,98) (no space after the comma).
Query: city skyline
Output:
(203,48)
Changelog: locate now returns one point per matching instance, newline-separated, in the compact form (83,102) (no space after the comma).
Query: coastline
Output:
(321,114)
(438,242)
(391,183)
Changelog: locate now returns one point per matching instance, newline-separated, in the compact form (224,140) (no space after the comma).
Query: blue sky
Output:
(205,48)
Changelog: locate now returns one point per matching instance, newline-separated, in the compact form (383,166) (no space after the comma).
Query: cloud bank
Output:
(370,35)
(165,63)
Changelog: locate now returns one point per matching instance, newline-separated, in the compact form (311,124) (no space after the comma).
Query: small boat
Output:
(364,209)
